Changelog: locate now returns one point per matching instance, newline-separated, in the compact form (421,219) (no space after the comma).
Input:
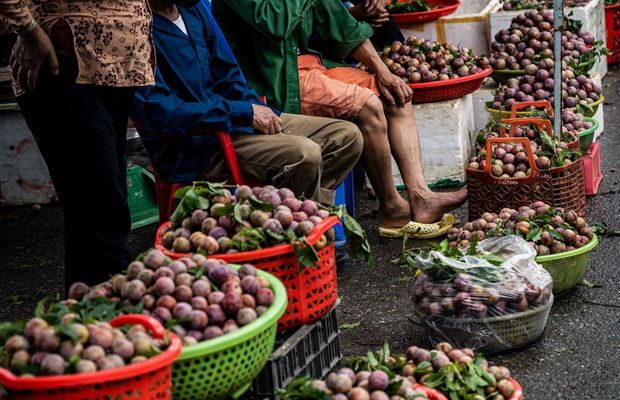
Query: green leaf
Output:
(555,234)
(534,234)
(224,211)
(181,192)
(354,325)
(261,205)
(356,236)
(65,331)
(306,254)
(237,213)
(589,284)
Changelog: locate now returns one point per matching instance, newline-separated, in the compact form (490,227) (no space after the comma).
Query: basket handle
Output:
(541,124)
(523,141)
(138,319)
(525,104)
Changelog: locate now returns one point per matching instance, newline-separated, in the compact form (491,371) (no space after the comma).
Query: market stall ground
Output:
(576,358)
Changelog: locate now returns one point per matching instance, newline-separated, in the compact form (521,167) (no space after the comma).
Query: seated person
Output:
(270,41)
(200,87)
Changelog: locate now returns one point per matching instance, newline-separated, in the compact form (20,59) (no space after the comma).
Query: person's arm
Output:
(159,109)
(276,19)
(394,90)
(371,11)
(33,48)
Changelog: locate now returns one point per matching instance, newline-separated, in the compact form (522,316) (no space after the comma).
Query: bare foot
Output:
(429,207)
(395,216)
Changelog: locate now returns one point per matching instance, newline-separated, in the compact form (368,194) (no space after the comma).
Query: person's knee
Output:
(373,113)
(309,156)
(351,136)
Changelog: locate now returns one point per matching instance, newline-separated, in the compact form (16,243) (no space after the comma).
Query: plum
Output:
(137,359)
(19,360)
(16,343)
(93,353)
(247,270)
(78,290)
(232,302)
(198,319)
(378,380)
(300,216)
(208,224)
(260,310)
(201,288)
(85,366)
(220,274)
(69,349)
(246,315)
(230,326)
(166,301)
(47,340)
(243,192)
(264,297)
(197,218)
(258,218)
(224,244)
(154,259)
(309,207)
(123,348)
(33,327)
(218,232)
(183,293)
(216,297)
(292,203)
(182,310)
(181,245)
(215,314)
(248,300)
(135,290)
(146,277)
(304,228)
(212,332)
(164,286)
(184,279)
(273,225)
(162,314)
(163,272)
(250,285)
(52,364)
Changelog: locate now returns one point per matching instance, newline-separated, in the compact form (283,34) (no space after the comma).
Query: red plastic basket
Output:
(560,187)
(446,7)
(431,92)
(592,169)
(612,26)
(150,379)
(312,293)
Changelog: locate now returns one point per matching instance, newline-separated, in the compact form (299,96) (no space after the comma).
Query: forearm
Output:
(13,16)
(367,55)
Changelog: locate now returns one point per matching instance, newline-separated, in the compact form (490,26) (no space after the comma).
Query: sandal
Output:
(418,230)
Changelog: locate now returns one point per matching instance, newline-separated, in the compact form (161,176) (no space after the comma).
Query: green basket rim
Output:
(494,111)
(594,103)
(567,254)
(508,72)
(269,318)
(594,127)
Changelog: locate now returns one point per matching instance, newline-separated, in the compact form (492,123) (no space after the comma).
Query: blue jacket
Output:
(199,85)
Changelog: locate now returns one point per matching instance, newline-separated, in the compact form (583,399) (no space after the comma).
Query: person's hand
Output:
(376,13)
(371,11)
(394,90)
(265,121)
(30,54)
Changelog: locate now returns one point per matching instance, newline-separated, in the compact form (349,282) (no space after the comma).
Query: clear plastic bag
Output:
(464,299)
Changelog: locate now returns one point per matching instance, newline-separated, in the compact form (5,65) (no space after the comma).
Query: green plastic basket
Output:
(501,76)
(224,367)
(567,269)
(498,115)
(594,106)
(587,137)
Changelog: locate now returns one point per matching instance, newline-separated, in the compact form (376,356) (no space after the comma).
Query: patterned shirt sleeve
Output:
(13,15)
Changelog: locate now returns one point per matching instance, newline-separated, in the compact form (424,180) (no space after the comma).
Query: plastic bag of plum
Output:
(460,291)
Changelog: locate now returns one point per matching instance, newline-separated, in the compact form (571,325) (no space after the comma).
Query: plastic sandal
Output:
(418,230)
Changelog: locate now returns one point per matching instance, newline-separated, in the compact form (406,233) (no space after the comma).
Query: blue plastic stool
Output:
(345,194)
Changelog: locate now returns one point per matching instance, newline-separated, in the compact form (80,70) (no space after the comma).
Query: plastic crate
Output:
(141,197)
(312,350)
(592,169)
(612,26)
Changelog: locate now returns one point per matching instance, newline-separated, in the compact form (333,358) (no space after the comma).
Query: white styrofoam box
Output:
(468,26)
(24,178)
(446,135)
(598,116)
(591,16)
(480,97)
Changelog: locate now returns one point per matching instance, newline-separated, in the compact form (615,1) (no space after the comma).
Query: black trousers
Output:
(81,133)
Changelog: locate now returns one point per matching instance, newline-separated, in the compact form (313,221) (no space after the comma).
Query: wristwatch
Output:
(27,29)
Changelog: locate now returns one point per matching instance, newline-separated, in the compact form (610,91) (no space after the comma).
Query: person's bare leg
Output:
(394,211)
(426,206)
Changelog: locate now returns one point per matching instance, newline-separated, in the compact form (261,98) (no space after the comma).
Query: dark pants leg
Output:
(80,131)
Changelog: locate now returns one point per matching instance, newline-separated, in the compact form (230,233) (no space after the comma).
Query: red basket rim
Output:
(612,6)
(437,395)
(449,6)
(451,82)
(167,357)
(276,250)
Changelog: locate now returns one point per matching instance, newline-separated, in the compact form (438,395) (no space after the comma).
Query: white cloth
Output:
(179,22)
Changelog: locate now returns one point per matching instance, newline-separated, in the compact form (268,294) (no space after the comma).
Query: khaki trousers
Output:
(311,156)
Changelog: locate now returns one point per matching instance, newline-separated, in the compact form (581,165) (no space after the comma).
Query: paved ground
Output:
(576,358)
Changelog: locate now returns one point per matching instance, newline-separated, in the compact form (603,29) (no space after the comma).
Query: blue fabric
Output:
(199,85)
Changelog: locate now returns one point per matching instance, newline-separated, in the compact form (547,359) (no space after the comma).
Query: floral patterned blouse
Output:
(112,38)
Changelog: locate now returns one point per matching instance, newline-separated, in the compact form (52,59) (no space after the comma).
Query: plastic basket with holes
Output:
(225,366)
(312,293)
(560,187)
(149,380)
(491,335)
(567,268)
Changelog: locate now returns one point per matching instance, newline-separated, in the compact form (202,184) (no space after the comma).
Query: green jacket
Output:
(265,36)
